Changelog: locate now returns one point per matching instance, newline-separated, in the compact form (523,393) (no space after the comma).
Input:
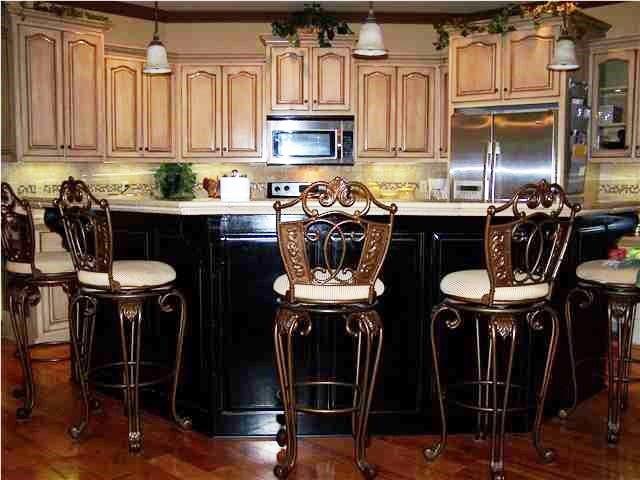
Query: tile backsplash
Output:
(605,182)
(43,179)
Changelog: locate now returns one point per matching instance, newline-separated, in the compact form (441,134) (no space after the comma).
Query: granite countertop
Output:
(210,206)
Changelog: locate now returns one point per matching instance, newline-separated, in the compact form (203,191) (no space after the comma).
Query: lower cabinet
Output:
(226,266)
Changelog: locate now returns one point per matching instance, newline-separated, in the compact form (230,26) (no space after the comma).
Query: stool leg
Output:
(628,358)
(620,312)
(356,393)
(547,455)
(286,324)
(131,311)
(431,453)
(82,328)
(370,326)
(564,413)
(504,326)
(183,422)
(21,297)
(483,389)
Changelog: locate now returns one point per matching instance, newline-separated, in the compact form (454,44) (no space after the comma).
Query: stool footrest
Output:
(166,375)
(327,411)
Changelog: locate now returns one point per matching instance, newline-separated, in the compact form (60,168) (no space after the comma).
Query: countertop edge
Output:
(265,207)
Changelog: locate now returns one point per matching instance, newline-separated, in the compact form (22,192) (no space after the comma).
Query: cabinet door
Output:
(376,111)
(124,108)
(201,111)
(613,80)
(475,68)
(242,111)
(331,78)
(415,111)
(289,78)
(526,56)
(158,116)
(84,117)
(444,112)
(7,90)
(40,58)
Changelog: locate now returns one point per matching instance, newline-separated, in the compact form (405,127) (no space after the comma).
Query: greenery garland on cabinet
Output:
(313,18)
(499,22)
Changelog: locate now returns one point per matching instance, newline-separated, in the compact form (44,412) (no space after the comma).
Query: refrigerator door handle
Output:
(488,168)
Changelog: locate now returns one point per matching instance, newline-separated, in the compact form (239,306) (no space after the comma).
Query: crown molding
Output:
(116,50)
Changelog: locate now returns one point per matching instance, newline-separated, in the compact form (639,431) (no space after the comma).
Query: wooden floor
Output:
(40,449)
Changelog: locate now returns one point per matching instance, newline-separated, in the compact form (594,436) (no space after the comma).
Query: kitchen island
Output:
(226,257)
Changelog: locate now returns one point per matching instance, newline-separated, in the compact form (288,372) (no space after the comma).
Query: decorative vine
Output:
(311,17)
(499,22)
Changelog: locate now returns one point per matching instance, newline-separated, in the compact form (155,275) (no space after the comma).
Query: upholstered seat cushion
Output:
(131,274)
(474,284)
(327,292)
(599,271)
(47,262)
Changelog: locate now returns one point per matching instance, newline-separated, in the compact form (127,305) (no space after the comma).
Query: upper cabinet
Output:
(140,111)
(615,87)
(242,111)
(331,78)
(309,78)
(290,78)
(60,91)
(221,111)
(201,111)
(475,67)
(8,119)
(396,111)
(504,67)
(526,56)
(443,103)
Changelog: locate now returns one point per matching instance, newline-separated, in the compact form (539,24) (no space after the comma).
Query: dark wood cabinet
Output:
(226,266)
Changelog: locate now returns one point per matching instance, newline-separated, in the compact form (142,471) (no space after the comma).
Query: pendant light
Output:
(157,62)
(564,57)
(370,43)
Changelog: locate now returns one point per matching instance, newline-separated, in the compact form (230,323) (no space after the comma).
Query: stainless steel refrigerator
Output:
(495,151)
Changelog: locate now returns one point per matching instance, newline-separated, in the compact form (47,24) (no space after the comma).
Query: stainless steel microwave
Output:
(310,140)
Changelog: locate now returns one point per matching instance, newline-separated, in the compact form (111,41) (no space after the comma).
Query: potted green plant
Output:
(175,181)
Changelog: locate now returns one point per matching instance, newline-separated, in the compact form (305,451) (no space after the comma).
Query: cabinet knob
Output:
(61,146)
(140,148)
(495,90)
(216,149)
(146,149)
(226,149)
(306,101)
(441,149)
(315,101)
(506,89)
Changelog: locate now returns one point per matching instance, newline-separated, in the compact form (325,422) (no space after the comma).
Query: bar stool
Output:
(27,271)
(127,283)
(522,256)
(619,288)
(332,259)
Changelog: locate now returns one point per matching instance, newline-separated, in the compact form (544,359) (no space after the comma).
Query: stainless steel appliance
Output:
(496,150)
(579,114)
(285,189)
(310,140)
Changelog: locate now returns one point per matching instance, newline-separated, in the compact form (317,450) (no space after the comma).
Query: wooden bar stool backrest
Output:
(18,232)
(529,249)
(334,244)
(87,227)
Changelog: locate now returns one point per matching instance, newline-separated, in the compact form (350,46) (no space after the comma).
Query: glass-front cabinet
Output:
(615,84)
